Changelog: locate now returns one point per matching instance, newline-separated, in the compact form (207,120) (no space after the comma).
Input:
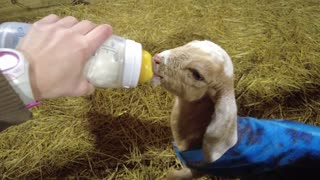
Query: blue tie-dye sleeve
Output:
(263,145)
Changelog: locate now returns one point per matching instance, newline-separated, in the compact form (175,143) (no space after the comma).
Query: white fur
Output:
(216,51)
(165,55)
(200,115)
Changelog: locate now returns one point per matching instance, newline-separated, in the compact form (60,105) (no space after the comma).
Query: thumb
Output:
(90,89)
(84,88)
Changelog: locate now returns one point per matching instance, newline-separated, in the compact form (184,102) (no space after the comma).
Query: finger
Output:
(83,27)
(52,18)
(85,88)
(67,21)
(98,36)
(91,89)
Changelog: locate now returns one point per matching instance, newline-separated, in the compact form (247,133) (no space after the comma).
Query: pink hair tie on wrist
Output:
(31,105)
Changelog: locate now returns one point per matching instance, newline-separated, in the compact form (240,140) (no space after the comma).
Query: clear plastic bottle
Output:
(118,63)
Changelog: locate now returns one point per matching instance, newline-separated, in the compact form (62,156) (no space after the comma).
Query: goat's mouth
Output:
(156,72)
(156,79)
(157,76)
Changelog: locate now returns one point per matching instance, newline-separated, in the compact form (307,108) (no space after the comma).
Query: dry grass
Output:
(124,134)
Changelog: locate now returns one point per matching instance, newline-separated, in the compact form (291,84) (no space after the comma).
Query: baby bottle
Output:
(118,63)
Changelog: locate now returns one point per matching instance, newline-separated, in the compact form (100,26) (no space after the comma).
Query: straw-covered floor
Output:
(124,133)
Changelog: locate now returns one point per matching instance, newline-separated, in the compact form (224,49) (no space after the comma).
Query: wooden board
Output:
(20,9)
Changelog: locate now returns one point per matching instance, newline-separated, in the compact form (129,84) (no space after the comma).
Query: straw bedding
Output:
(124,133)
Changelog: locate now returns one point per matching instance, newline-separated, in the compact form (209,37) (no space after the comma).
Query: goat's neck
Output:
(189,121)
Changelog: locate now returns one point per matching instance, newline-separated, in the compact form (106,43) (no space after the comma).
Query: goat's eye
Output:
(196,75)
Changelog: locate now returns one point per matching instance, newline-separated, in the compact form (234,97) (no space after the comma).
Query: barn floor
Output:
(124,133)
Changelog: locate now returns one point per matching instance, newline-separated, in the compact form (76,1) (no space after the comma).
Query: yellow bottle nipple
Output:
(146,72)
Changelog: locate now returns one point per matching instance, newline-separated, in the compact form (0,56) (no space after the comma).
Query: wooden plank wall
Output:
(14,10)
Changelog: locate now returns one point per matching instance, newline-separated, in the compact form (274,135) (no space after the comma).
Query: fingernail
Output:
(107,27)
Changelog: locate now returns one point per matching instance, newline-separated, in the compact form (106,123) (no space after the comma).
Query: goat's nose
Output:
(157,58)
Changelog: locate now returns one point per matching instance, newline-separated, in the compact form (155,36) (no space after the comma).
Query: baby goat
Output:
(200,75)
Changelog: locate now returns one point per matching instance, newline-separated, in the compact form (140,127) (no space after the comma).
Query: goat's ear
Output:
(221,133)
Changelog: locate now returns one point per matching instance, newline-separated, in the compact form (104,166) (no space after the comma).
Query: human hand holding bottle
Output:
(57,50)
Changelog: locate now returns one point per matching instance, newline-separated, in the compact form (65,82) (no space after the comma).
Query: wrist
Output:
(15,68)
(32,76)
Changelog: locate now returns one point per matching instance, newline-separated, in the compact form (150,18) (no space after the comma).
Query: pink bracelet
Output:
(31,105)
